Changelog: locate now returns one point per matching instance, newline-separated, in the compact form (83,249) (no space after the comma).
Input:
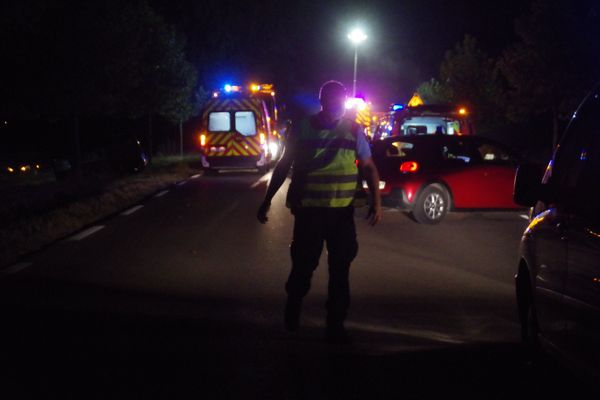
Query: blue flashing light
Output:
(228,88)
(397,107)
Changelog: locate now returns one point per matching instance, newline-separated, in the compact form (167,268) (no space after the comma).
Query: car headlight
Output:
(273,149)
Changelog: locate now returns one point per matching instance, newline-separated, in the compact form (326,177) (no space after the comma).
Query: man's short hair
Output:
(334,88)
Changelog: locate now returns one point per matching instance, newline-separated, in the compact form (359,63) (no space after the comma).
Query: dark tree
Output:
(434,92)
(468,76)
(552,65)
(70,59)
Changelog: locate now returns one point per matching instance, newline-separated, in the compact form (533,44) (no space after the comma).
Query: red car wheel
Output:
(432,205)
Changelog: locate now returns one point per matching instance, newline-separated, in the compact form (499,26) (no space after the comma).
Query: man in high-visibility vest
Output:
(323,150)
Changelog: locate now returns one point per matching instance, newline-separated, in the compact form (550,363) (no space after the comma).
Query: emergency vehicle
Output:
(360,110)
(418,118)
(235,131)
(266,92)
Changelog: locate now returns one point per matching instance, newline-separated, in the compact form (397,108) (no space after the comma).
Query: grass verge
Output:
(80,205)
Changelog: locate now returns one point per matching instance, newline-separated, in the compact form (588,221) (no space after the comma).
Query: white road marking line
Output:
(264,178)
(161,194)
(13,269)
(181,183)
(524,216)
(132,210)
(87,232)
(195,176)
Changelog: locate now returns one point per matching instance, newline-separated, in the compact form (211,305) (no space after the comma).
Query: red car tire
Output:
(431,205)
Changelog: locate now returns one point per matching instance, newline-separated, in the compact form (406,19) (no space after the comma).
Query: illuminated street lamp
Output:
(357,36)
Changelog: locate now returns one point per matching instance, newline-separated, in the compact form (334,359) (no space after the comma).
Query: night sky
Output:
(295,45)
(298,46)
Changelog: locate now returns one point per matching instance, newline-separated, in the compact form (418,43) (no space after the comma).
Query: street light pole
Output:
(356,36)
(355,65)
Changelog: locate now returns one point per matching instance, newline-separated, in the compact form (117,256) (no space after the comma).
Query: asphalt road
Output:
(182,297)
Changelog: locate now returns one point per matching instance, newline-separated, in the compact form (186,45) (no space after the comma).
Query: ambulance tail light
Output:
(262,138)
(409,166)
(202,140)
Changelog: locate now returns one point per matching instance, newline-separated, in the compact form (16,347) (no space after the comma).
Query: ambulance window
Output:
(219,121)
(245,123)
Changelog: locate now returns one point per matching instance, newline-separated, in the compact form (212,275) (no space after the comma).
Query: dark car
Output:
(431,174)
(126,154)
(558,278)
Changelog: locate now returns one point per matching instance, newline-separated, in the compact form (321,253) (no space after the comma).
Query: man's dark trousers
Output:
(312,227)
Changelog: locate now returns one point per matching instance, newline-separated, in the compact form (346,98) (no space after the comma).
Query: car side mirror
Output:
(528,187)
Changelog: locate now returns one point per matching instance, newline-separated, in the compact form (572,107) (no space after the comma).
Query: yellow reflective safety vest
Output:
(325,172)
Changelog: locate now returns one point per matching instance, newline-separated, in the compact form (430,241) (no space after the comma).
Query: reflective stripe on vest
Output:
(328,165)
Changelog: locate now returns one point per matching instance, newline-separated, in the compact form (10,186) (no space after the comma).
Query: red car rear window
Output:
(399,149)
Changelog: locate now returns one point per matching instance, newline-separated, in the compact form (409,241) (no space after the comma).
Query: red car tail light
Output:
(409,166)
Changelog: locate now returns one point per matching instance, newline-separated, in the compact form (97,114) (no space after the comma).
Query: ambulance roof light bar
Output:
(266,88)
(227,89)
(262,88)
(232,88)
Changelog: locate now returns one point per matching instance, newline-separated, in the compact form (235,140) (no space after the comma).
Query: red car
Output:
(431,174)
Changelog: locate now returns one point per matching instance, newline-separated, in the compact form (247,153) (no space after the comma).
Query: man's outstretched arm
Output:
(371,175)
(277,178)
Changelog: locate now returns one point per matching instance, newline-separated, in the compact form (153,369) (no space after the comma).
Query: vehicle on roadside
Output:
(418,118)
(62,168)
(22,168)
(431,174)
(266,92)
(361,112)
(236,133)
(558,277)
(431,119)
(126,155)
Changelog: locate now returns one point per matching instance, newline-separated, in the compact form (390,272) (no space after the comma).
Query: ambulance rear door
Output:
(245,139)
